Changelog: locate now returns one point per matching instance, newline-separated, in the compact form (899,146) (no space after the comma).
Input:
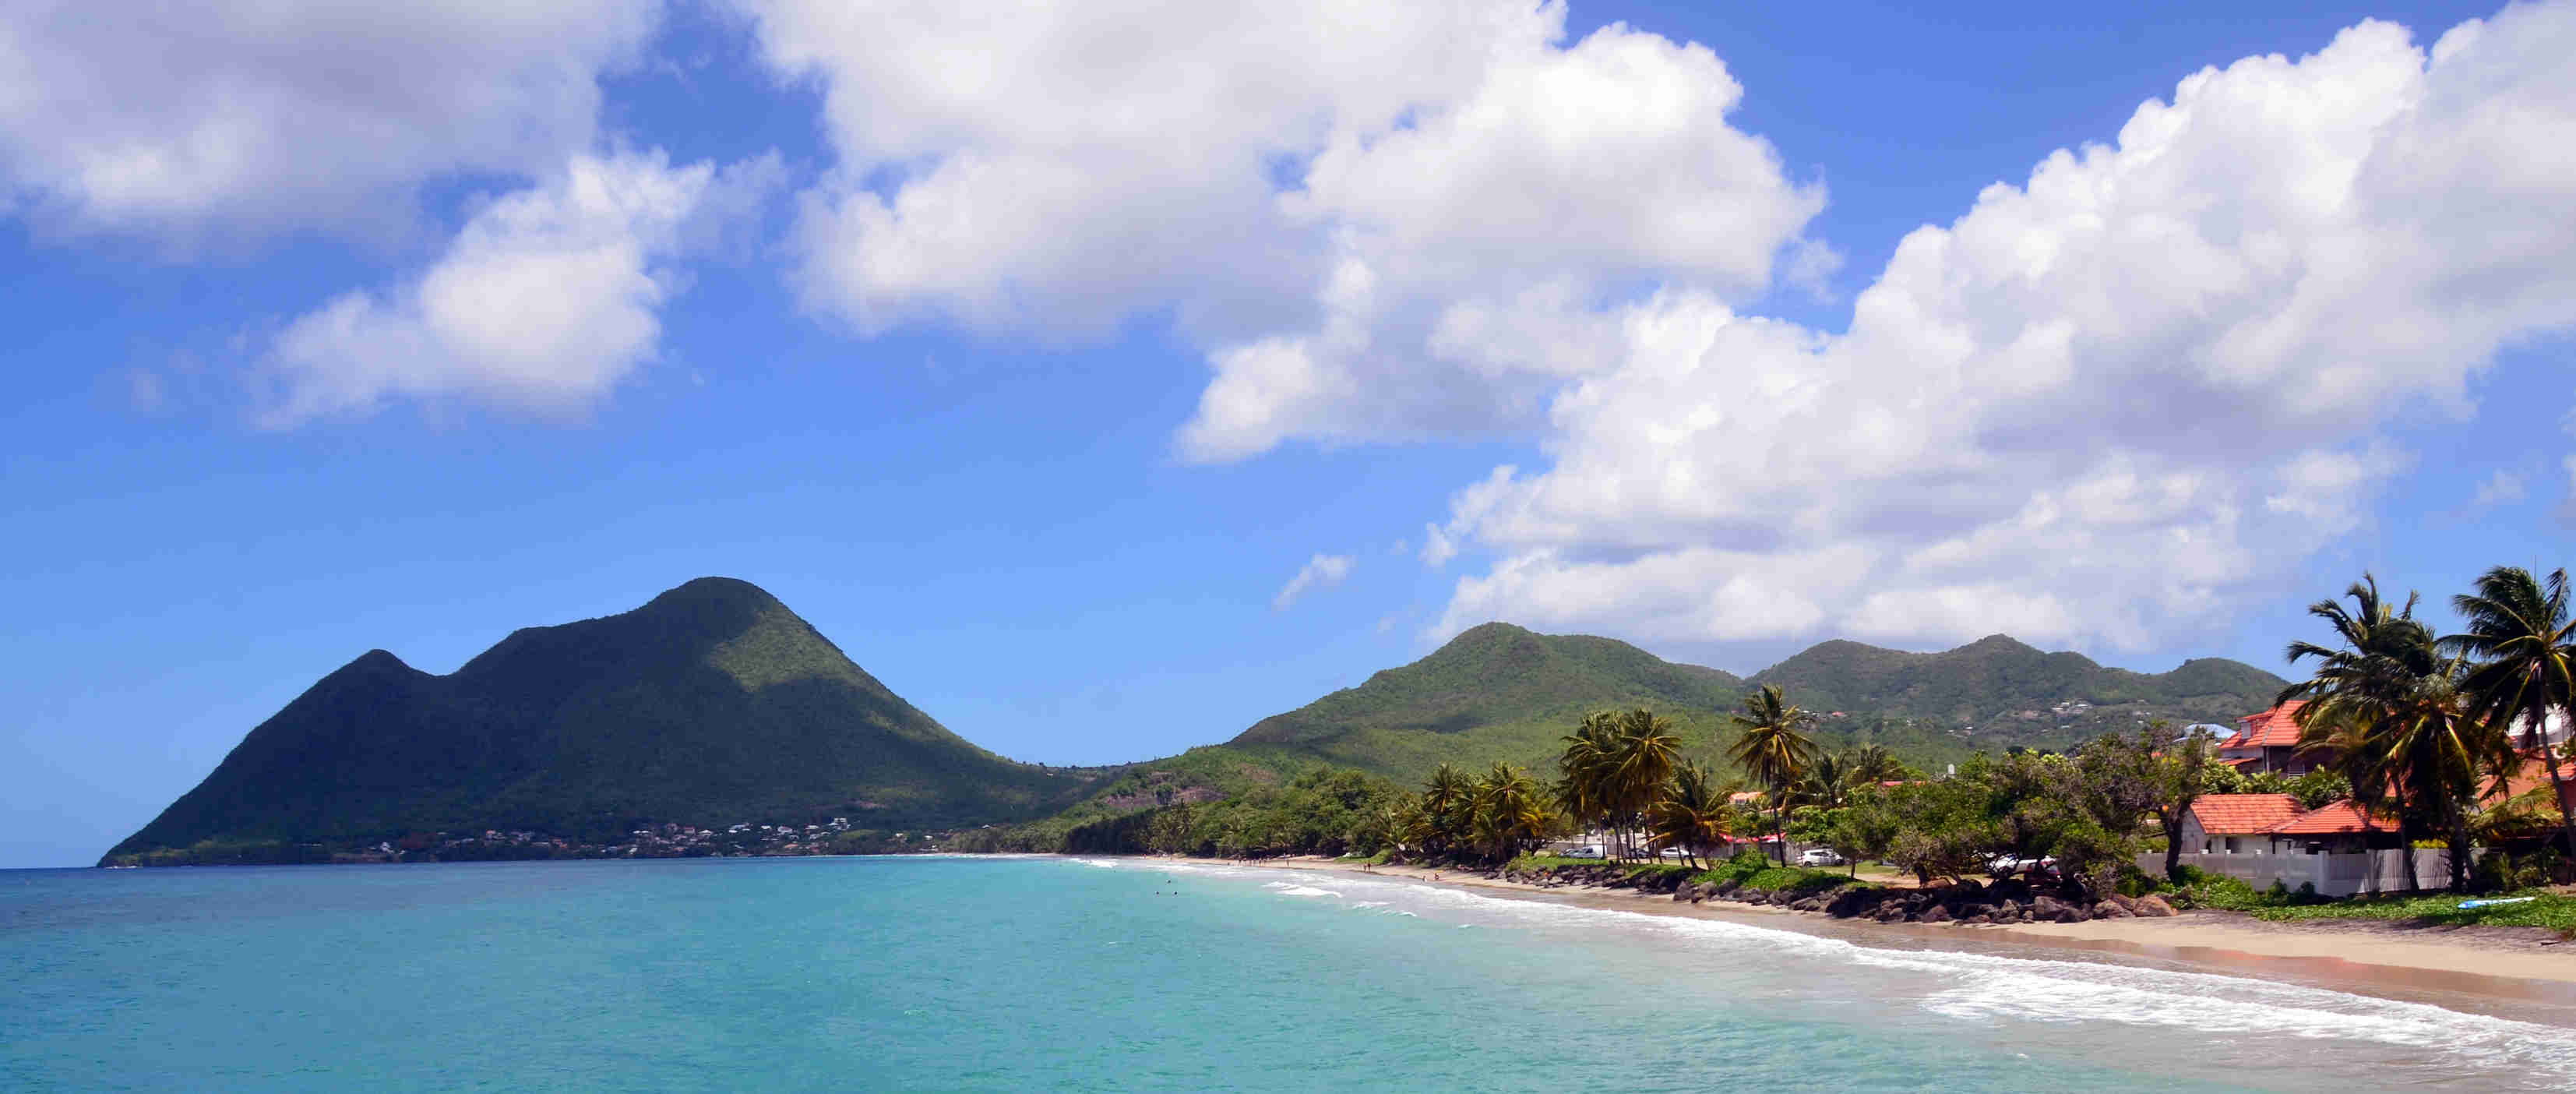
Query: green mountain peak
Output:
(711,704)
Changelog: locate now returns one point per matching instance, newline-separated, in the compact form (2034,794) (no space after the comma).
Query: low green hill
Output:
(1499,692)
(1997,678)
(712,705)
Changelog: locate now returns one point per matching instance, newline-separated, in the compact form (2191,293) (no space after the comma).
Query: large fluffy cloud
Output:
(1382,220)
(2100,403)
(231,118)
(547,297)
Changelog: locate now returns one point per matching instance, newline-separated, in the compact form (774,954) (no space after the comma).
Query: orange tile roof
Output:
(2334,818)
(2274,728)
(2243,814)
(2533,775)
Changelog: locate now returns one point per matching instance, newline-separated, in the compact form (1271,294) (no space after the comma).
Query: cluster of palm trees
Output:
(1622,773)
(2429,728)
(1498,815)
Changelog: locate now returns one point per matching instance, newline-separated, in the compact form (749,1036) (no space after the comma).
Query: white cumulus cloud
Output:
(1381,221)
(240,117)
(545,300)
(1319,572)
(2098,407)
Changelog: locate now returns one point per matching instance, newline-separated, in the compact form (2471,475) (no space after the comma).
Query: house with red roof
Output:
(2339,848)
(2269,741)
(2227,824)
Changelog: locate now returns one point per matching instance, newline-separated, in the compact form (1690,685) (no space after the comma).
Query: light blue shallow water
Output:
(1054,974)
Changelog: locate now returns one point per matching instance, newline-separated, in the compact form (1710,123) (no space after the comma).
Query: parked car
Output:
(2002,865)
(1591,850)
(1820,856)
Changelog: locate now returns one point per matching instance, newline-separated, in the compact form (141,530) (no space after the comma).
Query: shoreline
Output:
(2486,969)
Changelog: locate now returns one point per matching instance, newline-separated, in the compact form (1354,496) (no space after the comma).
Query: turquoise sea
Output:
(1064,974)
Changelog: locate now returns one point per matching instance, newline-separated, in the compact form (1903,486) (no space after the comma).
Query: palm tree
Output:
(1641,762)
(1692,816)
(1510,811)
(1448,802)
(2387,704)
(1772,750)
(1584,786)
(1827,781)
(1874,764)
(2521,633)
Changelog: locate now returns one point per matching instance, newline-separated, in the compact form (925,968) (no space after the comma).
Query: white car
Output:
(1589,851)
(1820,856)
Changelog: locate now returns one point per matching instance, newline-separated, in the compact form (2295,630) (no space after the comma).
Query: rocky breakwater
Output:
(1967,903)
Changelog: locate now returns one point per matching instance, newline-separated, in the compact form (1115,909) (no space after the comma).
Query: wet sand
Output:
(2495,970)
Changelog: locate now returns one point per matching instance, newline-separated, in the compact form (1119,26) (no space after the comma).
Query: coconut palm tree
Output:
(1692,815)
(1827,781)
(1772,749)
(2523,641)
(1510,812)
(1583,787)
(1644,753)
(1448,804)
(2387,703)
(1874,764)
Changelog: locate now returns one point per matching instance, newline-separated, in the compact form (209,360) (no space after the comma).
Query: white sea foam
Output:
(1988,989)
(1103,863)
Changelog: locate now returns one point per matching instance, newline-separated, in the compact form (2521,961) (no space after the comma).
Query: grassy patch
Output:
(1754,872)
(2552,910)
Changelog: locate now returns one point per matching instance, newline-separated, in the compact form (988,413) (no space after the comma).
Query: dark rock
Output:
(2109,910)
(2151,906)
(1965,920)
(1814,903)
(2049,909)
(1685,891)
(1854,902)
(1934,914)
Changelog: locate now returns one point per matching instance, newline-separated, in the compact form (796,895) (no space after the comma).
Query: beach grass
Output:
(2555,911)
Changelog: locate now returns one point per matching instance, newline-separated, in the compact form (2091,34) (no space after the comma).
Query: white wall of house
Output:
(2333,874)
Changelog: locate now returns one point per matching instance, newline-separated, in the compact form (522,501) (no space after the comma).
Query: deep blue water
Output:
(1054,974)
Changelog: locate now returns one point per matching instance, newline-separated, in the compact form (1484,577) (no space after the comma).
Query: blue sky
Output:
(1033,359)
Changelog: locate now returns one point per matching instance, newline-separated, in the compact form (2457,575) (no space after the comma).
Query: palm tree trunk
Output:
(2406,845)
(2173,849)
(2459,849)
(2557,783)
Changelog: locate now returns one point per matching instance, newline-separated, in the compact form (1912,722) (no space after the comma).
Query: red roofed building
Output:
(2534,776)
(2260,839)
(2336,826)
(2230,823)
(2269,741)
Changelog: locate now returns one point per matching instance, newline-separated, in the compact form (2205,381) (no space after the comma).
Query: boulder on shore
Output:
(1934,914)
(2152,905)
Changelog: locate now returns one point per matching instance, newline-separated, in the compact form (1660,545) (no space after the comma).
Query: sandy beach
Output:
(2498,965)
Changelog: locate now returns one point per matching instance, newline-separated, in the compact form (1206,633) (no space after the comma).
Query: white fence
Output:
(2332,874)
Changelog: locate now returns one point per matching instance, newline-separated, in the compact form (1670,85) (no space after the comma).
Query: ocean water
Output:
(962,974)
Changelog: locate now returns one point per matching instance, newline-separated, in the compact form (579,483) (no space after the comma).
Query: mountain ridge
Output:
(1929,704)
